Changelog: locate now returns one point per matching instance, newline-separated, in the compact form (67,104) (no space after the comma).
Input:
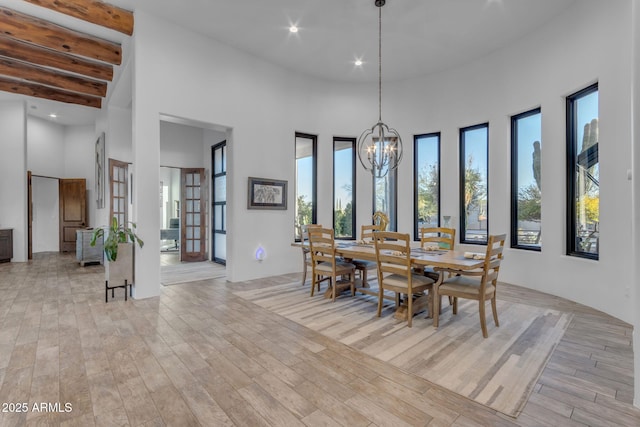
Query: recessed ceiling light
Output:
(53,116)
(358,62)
(293,29)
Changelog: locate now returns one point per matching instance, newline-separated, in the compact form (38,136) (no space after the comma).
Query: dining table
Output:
(420,257)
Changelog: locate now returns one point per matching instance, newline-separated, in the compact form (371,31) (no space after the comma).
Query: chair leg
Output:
(455,305)
(106,291)
(483,319)
(314,278)
(380,298)
(353,283)
(125,289)
(333,288)
(436,307)
(304,269)
(409,308)
(495,310)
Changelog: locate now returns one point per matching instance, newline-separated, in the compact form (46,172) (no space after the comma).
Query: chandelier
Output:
(380,147)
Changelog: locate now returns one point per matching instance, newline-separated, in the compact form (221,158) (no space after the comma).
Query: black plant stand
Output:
(107,287)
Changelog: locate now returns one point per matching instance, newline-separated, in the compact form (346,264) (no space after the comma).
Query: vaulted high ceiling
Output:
(419,37)
(44,59)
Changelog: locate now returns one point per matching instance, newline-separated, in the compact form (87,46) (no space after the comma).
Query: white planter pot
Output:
(116,272)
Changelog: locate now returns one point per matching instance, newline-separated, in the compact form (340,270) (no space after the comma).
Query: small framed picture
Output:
(267,194)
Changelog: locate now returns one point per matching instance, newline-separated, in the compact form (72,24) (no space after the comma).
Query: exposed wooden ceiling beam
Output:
(28,52)
(33,30)
(40,91)
(36,74)
(94,11)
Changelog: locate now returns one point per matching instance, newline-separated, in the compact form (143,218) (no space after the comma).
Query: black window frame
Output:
(353,185)
(572,162)
(314,180)
(514,180)
(416,138)
(462,169)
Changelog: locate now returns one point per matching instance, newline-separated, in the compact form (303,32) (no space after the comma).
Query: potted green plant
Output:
(117,234)
(118,250)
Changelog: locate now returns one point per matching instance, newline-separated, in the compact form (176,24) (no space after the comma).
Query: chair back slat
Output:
(393,253)
(366,231)
(441,236)
(492,259)
(322,245)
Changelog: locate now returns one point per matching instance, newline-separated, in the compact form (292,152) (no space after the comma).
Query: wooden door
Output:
(72,194)
(119,190)
(193,219)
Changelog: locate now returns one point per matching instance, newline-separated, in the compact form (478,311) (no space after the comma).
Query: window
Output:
(344,179)
(426,185)
(583,174)
(305,206)
(385,200)
(474,189)
(526,189)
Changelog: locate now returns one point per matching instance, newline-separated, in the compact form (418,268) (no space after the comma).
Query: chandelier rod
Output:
(380,60)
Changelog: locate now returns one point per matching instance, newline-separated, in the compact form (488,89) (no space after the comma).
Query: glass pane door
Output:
(118,172)
(193,246)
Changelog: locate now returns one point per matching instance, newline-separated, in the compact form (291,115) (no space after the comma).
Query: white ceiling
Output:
(419,36)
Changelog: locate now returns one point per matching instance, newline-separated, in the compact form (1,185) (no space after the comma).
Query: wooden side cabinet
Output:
(6,244)
(84,251)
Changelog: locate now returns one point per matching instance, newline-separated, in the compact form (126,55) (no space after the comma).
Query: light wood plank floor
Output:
(198,355)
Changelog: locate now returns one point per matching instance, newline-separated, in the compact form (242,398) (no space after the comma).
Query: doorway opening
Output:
(193,197)
(56,209)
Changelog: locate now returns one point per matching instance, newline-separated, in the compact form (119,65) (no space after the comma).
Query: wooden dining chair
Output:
(479,285)
(393,257)
(325,265)
(442,237)
(362,265)
(306,252)
(366,232)
(381,219)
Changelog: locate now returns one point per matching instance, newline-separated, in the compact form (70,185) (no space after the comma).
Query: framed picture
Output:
(99,184)
(267,194)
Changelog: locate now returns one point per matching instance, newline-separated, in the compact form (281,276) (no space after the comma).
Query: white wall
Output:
(264,105)
(79,163)
(211,83)
(181,146)
(45,147)
(590,42)
(58,151)
(13,174)
(635,236)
